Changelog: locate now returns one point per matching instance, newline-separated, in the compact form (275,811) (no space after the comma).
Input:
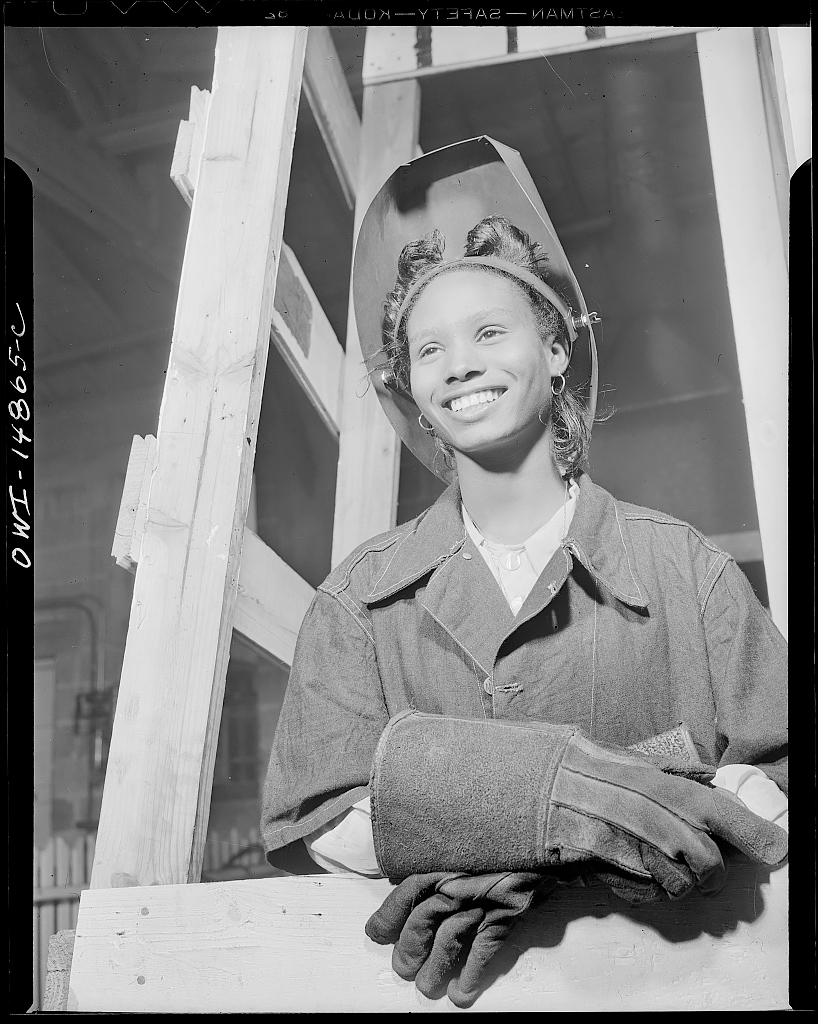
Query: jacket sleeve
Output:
(748,669)
(331,719)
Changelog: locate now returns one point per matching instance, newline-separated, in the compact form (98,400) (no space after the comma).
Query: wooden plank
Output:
(127,538)
(300,330)
(453,45)
(754,253)
(395,54)
(305,338)
(187,153)
(368,460)
(258,945)
(328,95)
(156,799)
(272,600)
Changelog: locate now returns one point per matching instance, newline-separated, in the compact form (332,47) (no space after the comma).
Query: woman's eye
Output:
(488,333)
(427,350)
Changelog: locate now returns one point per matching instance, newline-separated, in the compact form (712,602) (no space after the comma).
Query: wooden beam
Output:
(756,267)
(369,452)
(301,331)
(72,175)
(187,153)
(395,54)
(258,945)
(133,508)
(305,338)
(272,598)
(156,800)
(328,95)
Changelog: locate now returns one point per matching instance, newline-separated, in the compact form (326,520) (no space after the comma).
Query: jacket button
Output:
(467,555)
(488,686)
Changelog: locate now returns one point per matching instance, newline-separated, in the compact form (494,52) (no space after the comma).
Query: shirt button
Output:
(467,555)
(488,686)
(516,604)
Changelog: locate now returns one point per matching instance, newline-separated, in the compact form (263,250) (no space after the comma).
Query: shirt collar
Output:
(542,544)
(598,537)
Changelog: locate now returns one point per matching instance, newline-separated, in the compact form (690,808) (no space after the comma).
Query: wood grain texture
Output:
(317,359)
(133,509)
(327,92)
(272,599)
(187,153)
(368,459)
(298,944)
(754,252)
(156,799)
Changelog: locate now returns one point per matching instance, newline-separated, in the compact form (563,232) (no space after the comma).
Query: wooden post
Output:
(756,266)
(368,461)
(157,790)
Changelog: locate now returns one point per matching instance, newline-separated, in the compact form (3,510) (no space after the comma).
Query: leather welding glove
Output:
(435,918)
(477,795)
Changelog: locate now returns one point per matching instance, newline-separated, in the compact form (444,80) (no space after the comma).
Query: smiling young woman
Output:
(533,682)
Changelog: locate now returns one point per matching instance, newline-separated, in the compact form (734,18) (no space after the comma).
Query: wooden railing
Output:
(62,870)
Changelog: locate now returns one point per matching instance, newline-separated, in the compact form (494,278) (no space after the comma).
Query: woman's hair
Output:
(493,236)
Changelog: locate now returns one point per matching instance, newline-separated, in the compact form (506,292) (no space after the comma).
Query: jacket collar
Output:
(598,537)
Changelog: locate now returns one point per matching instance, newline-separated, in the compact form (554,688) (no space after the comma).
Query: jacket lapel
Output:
(462,595)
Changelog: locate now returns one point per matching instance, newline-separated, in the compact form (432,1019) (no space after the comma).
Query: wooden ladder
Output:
(150,936)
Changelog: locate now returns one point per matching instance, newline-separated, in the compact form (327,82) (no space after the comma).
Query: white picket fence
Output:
(62,871)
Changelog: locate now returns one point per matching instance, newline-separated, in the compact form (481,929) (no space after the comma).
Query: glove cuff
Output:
(462,794)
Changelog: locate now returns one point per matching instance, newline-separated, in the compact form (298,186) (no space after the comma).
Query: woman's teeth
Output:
(478,398)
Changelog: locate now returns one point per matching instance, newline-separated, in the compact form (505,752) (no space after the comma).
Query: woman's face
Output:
(480,371)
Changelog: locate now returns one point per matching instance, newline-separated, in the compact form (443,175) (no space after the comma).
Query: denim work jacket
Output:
(638,623)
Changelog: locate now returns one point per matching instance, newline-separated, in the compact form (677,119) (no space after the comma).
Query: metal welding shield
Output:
(453,189)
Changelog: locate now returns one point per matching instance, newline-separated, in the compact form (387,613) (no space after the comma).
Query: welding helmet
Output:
(453,189)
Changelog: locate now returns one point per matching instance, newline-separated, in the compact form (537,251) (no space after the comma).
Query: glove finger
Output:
(417,939)
(673,878)
(386,923)
(512,889)
(464,989)
(454,933)
(757,838)
(678,878)
(630,888)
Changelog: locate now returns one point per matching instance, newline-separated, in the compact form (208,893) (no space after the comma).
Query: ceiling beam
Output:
(329,98)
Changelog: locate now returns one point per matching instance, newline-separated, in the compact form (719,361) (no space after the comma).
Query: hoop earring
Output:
(553,392)
(430,429)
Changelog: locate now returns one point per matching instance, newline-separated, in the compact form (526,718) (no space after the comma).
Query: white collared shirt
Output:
(534,554)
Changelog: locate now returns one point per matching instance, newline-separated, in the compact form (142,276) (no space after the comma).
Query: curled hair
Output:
(497,237)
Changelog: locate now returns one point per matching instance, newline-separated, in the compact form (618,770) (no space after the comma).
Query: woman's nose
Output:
(465,362)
